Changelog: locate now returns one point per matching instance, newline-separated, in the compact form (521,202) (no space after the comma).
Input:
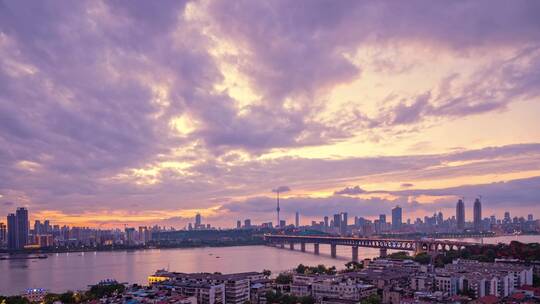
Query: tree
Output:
(422,258)
(284,278)
(400,255)
(101,290)
(51,298)
(372,299)
(67,297)
(536,281)
(272,297)
(353,265)
(307,300)
(332,270)
(14,300)
(277,297)
(301,269)
(266,273)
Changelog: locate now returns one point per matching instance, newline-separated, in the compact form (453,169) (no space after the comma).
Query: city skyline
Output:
(115,114)
(459,222)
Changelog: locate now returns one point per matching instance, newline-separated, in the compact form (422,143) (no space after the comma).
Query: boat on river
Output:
(24,257)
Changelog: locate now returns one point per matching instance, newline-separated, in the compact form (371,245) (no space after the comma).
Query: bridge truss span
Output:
(417,246)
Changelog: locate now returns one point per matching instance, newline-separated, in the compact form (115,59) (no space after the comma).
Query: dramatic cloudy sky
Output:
(130,112)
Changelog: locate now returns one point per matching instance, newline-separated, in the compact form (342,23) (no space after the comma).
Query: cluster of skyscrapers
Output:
(198,225)
(477,215)
(339,223)
(429,224)
(17,233)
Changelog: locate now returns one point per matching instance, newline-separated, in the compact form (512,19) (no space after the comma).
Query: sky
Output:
(118,113)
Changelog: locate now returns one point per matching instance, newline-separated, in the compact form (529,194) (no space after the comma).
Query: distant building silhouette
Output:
(22,227)
(198,221)
(3,233)
(507,219)
(477,212)
(12,231)
(460,215)
(344,223)
(337,220)
(397,218)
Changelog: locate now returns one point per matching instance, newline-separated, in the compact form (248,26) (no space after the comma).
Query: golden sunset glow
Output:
(141,116)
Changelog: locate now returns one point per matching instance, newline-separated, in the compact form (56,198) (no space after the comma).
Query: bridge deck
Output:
(316,238)
(382,243)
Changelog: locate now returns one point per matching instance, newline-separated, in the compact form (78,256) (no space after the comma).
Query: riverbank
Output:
(132,248)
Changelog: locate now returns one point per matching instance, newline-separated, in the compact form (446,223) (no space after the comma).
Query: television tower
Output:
(277,191)
(277,208)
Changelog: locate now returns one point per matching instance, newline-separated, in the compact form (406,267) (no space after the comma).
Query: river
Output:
(75,271)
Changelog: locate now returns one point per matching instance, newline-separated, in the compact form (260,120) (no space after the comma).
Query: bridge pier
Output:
(430,246)
(355,253)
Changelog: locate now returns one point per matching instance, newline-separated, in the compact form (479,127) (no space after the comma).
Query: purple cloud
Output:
(350,191)
(281,189)
(521,194)
(88,90)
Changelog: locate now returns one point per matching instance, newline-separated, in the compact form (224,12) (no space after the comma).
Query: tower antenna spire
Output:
(277,208)
(277,191)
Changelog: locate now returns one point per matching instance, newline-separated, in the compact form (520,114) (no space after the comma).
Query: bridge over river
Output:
(417,246)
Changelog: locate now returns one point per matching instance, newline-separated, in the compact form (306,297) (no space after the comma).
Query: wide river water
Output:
(74,271)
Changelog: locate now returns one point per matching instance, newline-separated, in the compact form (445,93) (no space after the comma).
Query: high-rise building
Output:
(47,227)
(337,220)
(530,218)
(344,223)
(142,235)
(3,233)
(460,215)
(297,219)
(130,236)
(247,223)
(22,227)
(198,220)
(477,215)
(507,218)
(38,228)
(397,218)
(12,231)
(382,218)
(440,218)
(326,222)
(238,224)
(282,224)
